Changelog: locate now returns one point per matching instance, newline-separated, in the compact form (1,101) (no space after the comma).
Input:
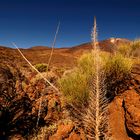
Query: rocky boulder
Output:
(132,112)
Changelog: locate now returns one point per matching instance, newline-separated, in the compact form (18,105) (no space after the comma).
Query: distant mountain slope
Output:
(39,48)
(108,45)
(61,56)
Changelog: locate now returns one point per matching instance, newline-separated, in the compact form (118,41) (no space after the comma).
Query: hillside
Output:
(22,90)
(61,56)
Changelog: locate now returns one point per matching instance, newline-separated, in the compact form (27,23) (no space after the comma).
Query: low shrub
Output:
(76,85)
(41,67)
(117,72)
(75,88)
(124,49)
(129,49)
(118,65)
(135,45)
(86,64)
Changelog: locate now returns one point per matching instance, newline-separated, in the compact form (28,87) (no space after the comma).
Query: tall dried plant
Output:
(45,79)
(49,61)
(95,119)
(33,67)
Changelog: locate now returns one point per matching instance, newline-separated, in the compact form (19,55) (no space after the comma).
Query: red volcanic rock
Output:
(73,136)
(117,128)
(68,131)
(62,132)
(54,108)
(132,111)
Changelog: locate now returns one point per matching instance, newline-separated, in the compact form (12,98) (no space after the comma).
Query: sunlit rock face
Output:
(112,40)
(116,40)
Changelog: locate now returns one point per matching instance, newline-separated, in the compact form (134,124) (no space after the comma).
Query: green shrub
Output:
(118,65)
(129,49)
(117,72)
(86,64)
(124,49)
(41,67)
(135,45)
(76,86)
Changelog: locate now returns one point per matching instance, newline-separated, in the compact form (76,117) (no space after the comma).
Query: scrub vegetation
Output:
(89,86)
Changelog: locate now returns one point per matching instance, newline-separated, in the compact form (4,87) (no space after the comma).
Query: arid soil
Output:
(22,89)
(65,57)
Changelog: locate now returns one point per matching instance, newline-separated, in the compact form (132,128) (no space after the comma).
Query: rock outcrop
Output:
(23,103)
(20,108)
(132,112)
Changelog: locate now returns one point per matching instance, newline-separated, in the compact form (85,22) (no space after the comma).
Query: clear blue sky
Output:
(33,22)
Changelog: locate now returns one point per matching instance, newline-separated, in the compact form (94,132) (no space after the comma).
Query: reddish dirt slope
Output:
(61,56)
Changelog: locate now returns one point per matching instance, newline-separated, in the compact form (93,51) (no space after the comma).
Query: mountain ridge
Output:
(109,40)
(61,56)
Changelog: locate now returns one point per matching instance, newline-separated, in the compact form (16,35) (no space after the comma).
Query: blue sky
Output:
(33,22)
